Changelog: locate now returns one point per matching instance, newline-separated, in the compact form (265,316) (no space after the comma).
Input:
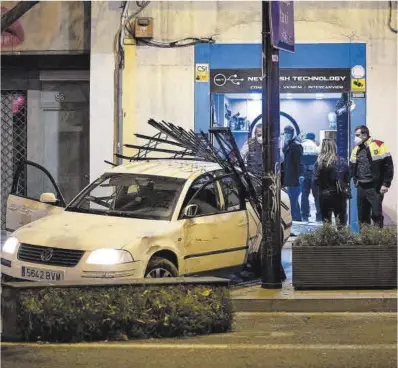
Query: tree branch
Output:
(15,13)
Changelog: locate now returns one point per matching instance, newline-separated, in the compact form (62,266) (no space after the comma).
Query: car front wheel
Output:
(160,267)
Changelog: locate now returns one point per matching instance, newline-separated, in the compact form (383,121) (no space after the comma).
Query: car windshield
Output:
(130,195)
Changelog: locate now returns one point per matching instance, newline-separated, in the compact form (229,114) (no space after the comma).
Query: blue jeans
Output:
(307,187)
(294,193)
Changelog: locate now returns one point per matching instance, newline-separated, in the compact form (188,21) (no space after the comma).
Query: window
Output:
(203,192)
(230,191)
(130,195)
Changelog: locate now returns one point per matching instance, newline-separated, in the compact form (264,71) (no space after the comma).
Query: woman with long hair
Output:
(331,174)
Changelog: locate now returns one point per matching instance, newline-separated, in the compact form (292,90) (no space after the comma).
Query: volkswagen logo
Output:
(47,254)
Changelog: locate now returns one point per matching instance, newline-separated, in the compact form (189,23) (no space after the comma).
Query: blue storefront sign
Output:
(282,25)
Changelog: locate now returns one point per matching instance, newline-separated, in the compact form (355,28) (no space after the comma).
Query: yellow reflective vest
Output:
(381,162)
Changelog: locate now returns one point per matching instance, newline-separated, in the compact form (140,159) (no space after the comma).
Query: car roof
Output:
(181,169)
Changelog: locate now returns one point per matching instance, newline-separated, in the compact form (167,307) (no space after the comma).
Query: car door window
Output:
(31,180)
(203,192)
(230,190)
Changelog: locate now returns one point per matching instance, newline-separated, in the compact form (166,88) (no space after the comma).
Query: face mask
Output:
(260,140)
(358,141)
(288,137)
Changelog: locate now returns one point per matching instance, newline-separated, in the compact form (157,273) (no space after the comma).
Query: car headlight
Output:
(10,245)
(109,257)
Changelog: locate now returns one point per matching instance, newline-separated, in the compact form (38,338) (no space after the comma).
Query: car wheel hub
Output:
(158,272)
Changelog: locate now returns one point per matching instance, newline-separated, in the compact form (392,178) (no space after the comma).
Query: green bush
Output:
(330,235)
(372,235)
(123,312)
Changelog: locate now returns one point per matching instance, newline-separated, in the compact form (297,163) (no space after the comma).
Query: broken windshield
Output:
(130,195)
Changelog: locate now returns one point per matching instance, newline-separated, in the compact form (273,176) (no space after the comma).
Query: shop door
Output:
(65,133)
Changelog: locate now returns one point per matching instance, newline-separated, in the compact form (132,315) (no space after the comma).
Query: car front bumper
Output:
(12,268)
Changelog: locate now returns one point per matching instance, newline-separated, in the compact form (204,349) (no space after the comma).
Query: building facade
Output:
(159,82)
(45,97)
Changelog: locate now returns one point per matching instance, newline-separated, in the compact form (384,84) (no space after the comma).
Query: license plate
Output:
(41,275)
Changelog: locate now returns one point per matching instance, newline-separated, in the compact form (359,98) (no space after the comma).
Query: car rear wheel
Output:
(160,267)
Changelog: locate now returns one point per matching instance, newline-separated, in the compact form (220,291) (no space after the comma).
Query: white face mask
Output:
(288,137)
(260,140)
(358,141)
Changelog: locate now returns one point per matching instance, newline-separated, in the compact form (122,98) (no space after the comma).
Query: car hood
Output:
(71,230)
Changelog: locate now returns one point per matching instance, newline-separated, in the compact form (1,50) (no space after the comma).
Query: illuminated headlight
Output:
(10,245)
(109,257)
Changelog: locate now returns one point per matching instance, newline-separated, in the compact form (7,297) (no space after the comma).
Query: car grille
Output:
(60,257)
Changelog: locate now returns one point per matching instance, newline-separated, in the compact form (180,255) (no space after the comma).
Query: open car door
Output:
(34,194)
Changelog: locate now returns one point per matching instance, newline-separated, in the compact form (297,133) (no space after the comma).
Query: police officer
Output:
(310,155)
(372,169)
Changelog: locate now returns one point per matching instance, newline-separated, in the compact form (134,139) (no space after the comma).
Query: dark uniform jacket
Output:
(381,163)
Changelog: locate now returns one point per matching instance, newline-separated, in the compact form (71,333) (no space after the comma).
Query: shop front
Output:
(322,95)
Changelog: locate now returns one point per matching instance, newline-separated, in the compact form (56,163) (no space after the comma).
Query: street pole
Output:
(271,215)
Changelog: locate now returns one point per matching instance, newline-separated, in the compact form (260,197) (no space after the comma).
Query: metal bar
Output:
(8,19)
(118,155)
(188,139)
(164,158)
(158,149)
(216,156)
(146,148)
(110,163)
(158,140)
(226,137)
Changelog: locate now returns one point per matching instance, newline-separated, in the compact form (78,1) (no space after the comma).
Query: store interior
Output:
(306,112)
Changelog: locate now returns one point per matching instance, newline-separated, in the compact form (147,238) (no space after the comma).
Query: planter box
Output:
(345,267)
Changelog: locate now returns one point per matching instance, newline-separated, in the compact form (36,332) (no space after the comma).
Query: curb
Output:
(381,305)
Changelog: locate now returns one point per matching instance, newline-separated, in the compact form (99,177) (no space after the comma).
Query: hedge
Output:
(330,235)
(122,312)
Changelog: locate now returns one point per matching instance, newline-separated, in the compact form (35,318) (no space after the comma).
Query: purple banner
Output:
(282,25)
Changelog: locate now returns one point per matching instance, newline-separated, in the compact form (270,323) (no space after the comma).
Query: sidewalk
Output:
(253,298)
(257,299)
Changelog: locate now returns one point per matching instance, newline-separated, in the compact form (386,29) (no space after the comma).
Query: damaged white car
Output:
(157,218)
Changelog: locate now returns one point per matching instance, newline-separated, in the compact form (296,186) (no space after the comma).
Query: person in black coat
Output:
(332,175)
(293,170)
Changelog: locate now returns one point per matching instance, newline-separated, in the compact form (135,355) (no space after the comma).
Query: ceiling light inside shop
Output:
(319,96)
(289,96)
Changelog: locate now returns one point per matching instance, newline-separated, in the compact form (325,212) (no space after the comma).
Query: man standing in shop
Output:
(293,170)
(310,155)
(372,169)
(251,152)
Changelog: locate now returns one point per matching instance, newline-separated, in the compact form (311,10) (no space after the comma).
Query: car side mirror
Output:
(191,210)
(48,198)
